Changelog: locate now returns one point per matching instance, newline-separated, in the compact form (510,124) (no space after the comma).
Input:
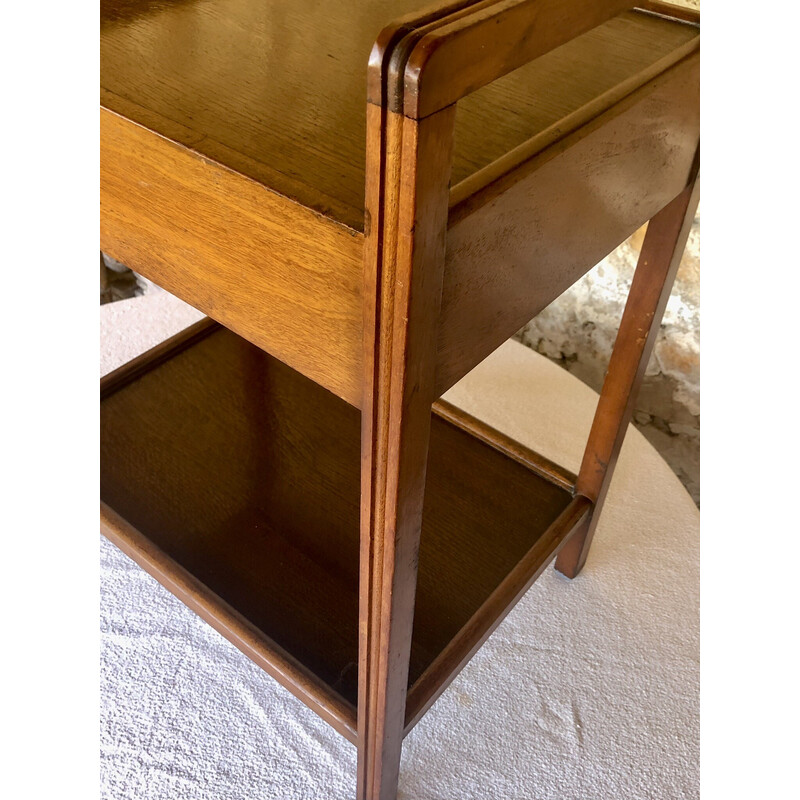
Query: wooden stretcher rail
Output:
(302,683)
(506,445)
(462,647)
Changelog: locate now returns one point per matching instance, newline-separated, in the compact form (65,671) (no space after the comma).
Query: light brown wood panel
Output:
(283,277)
(520,242)
(276,90)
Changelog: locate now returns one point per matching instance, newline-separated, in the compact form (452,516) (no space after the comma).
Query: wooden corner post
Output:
(408,175)
(420,67)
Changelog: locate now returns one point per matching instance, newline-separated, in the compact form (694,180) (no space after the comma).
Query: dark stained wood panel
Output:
(247,475)
(517,245)
(277,90)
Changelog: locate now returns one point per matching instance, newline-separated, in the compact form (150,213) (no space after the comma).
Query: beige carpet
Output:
(589,689)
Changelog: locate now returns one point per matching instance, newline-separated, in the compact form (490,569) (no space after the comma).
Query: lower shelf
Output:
(235,482)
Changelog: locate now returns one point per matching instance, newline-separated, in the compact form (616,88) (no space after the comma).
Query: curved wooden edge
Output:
(422,63)
(464,645)
(228,163)
(485,184)
(258,647)
(387,44)
(407,45)
(464,54)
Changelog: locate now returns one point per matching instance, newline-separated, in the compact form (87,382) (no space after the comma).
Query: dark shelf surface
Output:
(246,475)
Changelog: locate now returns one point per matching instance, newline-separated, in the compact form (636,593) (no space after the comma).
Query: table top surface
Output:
(276,89)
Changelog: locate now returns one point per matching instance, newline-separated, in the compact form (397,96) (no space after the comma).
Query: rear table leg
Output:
(652,282)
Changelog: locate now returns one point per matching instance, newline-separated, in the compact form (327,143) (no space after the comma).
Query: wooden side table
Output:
(285,467)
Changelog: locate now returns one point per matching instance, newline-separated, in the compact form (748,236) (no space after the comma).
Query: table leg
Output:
(652,282)
(407,200)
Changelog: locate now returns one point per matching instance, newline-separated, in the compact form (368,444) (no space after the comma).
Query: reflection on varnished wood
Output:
(247,474)
(277,89)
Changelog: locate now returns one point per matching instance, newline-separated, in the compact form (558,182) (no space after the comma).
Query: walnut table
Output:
(365,209)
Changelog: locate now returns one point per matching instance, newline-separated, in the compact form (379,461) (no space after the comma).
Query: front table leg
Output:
(404,267)
(652,282)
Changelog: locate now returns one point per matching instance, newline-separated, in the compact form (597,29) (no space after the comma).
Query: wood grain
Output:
(235,482)
(461,56)
(415,160)
(283,277)
(275,90)
(409,166)
(301,301)
(355,555)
